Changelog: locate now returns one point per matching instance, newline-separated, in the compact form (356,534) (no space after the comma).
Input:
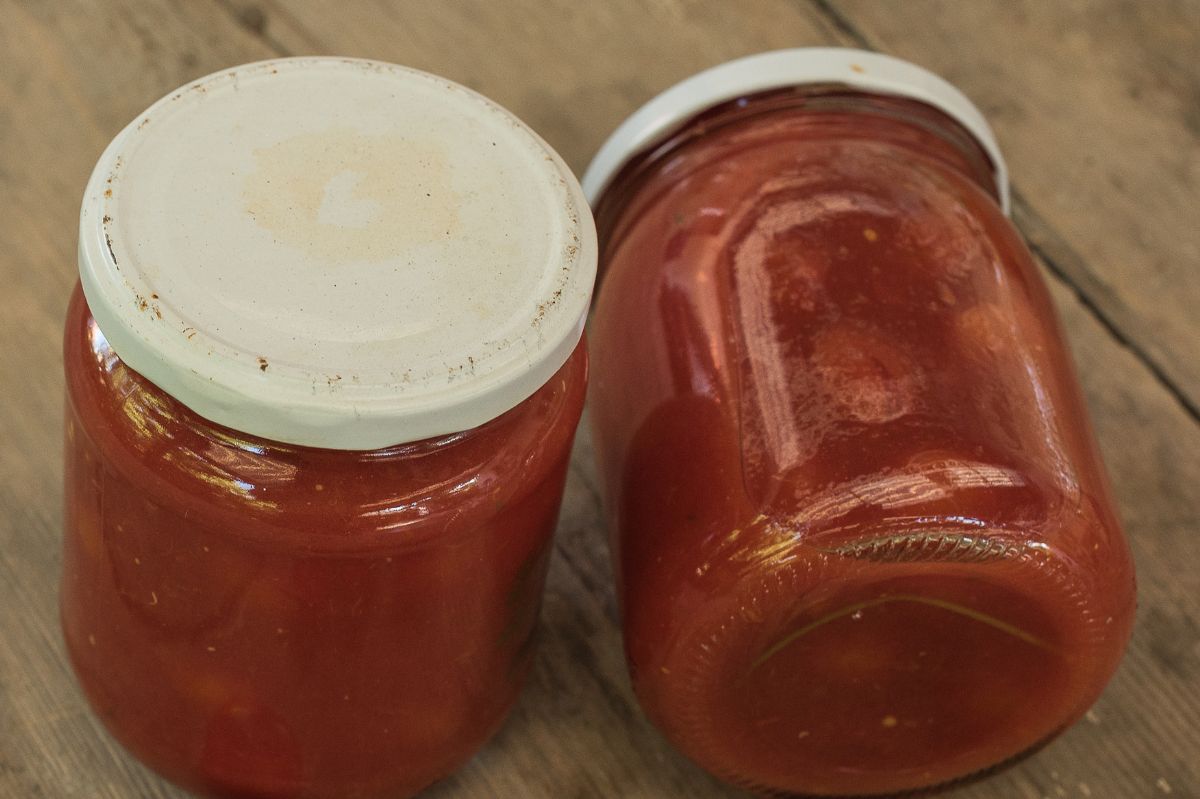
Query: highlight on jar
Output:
(323,374)
(863,538)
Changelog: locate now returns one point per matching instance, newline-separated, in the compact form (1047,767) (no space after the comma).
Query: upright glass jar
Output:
(863,537)
(323,377)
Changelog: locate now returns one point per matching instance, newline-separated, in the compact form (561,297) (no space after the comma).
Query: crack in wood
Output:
(1027,220)
(831,15)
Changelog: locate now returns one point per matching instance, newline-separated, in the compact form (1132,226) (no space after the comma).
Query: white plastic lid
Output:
(337,253)
(856,69)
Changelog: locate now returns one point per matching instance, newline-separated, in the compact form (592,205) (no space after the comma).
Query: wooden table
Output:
(1097,106)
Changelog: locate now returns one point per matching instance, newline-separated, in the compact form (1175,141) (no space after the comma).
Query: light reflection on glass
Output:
(421,505)
(251,465)
(903,489)
(197,466)
(246,470)
(106,359)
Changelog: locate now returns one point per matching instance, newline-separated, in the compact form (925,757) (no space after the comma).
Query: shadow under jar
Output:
(321,395)
(863,536)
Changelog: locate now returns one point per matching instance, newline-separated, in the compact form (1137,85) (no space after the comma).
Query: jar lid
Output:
(337,253)
(856,69)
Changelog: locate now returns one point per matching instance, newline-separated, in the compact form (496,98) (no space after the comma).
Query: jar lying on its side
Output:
(863,537)
(321,395)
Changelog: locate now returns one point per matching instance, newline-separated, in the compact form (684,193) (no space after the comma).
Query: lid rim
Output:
(857,69)
(228,380)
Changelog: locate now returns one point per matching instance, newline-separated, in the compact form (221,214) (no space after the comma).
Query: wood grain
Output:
(1113,217)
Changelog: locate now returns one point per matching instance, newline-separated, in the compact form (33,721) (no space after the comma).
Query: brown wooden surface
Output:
(1097,105)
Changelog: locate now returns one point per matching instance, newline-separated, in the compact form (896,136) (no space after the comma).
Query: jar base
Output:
(833,675)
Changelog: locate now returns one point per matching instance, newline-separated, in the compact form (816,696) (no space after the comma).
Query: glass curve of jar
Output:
(863,537)
(259,619)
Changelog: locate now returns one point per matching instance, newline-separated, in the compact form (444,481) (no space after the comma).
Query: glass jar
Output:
(863,536)
(323,378)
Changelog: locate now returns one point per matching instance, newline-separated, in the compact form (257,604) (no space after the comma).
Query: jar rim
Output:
(859,70)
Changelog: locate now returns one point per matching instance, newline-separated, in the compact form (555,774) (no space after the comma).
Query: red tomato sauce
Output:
(266,620)
(863,537)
